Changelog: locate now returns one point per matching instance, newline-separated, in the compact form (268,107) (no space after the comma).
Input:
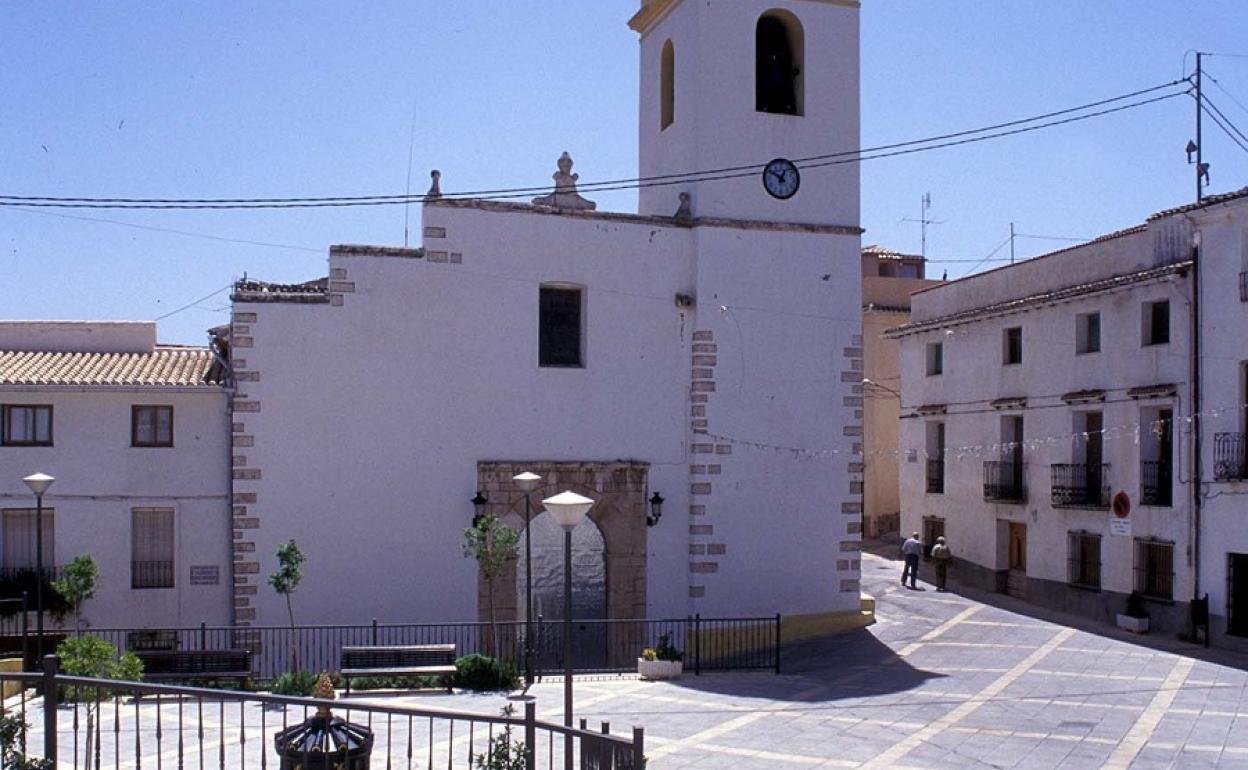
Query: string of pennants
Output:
(1133,431)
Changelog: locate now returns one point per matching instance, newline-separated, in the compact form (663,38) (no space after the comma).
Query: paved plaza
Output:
(941,681)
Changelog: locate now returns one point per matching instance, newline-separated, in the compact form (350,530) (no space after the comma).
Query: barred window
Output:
(559,335)
(151,550)
(1084,555)
(1154,569)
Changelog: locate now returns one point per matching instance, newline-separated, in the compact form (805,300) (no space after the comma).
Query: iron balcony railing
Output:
(936,476)
(1230,460)
(1080,485)
(1156,481)
(1003,482)
(151,574)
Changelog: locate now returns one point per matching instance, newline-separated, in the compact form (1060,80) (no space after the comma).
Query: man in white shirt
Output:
(912,550)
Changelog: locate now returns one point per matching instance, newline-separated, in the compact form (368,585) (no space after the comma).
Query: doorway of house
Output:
(589,594)
(1016,580)
(1237,594)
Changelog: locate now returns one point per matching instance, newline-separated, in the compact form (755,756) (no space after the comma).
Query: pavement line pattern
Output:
(776,756)
(1093,675)
(889,758)
(1143,728)
(710,733)
(938,630)
(1068,737)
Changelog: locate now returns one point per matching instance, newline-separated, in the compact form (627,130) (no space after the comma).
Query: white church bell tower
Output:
(734,84)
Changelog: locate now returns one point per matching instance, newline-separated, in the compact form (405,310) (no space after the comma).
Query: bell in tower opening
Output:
(778,65)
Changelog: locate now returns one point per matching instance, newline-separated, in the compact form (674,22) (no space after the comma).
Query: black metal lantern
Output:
(478,508)
(324,742)
(656,510)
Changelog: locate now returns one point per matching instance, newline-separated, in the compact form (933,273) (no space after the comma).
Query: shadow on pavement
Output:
(854,664)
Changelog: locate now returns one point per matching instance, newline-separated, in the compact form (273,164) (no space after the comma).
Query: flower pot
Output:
(659,669)
(1134,625)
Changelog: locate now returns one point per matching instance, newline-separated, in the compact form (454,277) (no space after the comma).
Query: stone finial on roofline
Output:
(685,212)
(565,195)
(435,189)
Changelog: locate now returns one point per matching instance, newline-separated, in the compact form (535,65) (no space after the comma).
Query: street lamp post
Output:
(569,510)
(527,482)
(39,483)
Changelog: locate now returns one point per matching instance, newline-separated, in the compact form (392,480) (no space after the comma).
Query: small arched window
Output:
(778,54)
(667,86)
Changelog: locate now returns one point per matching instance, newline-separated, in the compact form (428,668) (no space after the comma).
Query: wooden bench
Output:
(195,664)
(406,660)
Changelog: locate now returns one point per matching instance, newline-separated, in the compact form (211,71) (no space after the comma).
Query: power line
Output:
(817,161)
(1214,114)
(190,305)
(171,231)
(1229,95)
(1224,119)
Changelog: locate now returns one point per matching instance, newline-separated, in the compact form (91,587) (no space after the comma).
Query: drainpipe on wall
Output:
(221,352)
(1197,446)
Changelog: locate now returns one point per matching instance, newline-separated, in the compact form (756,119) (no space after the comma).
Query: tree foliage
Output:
(77,585)
(287,578)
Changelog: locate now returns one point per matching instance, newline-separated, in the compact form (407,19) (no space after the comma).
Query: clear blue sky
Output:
(317,98)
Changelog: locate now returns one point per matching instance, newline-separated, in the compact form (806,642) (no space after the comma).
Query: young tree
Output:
(77,585)
(289,572)
(493,544)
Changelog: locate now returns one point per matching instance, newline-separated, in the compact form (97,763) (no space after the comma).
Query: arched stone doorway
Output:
(589,588)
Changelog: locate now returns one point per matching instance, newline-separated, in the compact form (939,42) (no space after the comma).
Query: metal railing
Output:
(151,574)
(115,724)
(1230,460)
(598,646)
(1156,482)
(1154,569)
(1080,486)
(1084,559)
(1003,482)
(936,476)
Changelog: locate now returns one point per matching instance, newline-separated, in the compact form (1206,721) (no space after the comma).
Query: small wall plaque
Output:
(205,575)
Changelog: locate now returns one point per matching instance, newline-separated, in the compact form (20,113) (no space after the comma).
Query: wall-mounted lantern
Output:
(656,510)
(478,507)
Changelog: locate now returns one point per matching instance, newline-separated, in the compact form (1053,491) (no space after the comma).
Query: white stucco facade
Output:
(1080,408)
(92,375)
(721,367)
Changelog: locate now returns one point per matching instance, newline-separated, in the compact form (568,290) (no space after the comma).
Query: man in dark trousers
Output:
(912,551)
(941,555)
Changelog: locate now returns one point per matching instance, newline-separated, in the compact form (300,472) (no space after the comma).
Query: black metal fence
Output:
(114,724)
(598,646)
(1156,482)
(1080,486)
(1003,482)
(1230,458)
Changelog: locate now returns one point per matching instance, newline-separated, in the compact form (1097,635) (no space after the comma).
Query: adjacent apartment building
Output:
(1075,424)
(136,435)
(888,280)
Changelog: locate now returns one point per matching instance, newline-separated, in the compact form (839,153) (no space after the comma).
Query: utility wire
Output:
(1229,95)
(1224,119)
(991,254)
(190,305)
(1214,114)
(817,161)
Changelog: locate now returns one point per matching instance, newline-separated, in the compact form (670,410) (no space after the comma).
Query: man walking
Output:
(911,550)
(941,555)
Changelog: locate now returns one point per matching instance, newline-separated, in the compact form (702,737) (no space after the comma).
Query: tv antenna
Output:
(924,221)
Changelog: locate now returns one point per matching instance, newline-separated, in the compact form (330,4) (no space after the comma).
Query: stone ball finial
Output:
(435,189)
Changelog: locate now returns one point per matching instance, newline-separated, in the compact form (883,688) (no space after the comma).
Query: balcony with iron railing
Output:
(1003,482)
(936,477)
(1080,485)
(1157,483)
(1230,458)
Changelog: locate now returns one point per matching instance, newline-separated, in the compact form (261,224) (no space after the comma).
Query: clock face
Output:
(781,179)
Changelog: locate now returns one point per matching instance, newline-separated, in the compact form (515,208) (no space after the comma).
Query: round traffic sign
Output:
(1122,505)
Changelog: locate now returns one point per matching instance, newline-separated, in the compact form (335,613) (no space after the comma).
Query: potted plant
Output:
(662,661)
(1133,618)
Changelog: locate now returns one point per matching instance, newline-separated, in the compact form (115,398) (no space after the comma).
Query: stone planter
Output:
(659,669)
(1134,625)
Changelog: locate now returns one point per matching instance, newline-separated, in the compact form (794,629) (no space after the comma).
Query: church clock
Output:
(781,179)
